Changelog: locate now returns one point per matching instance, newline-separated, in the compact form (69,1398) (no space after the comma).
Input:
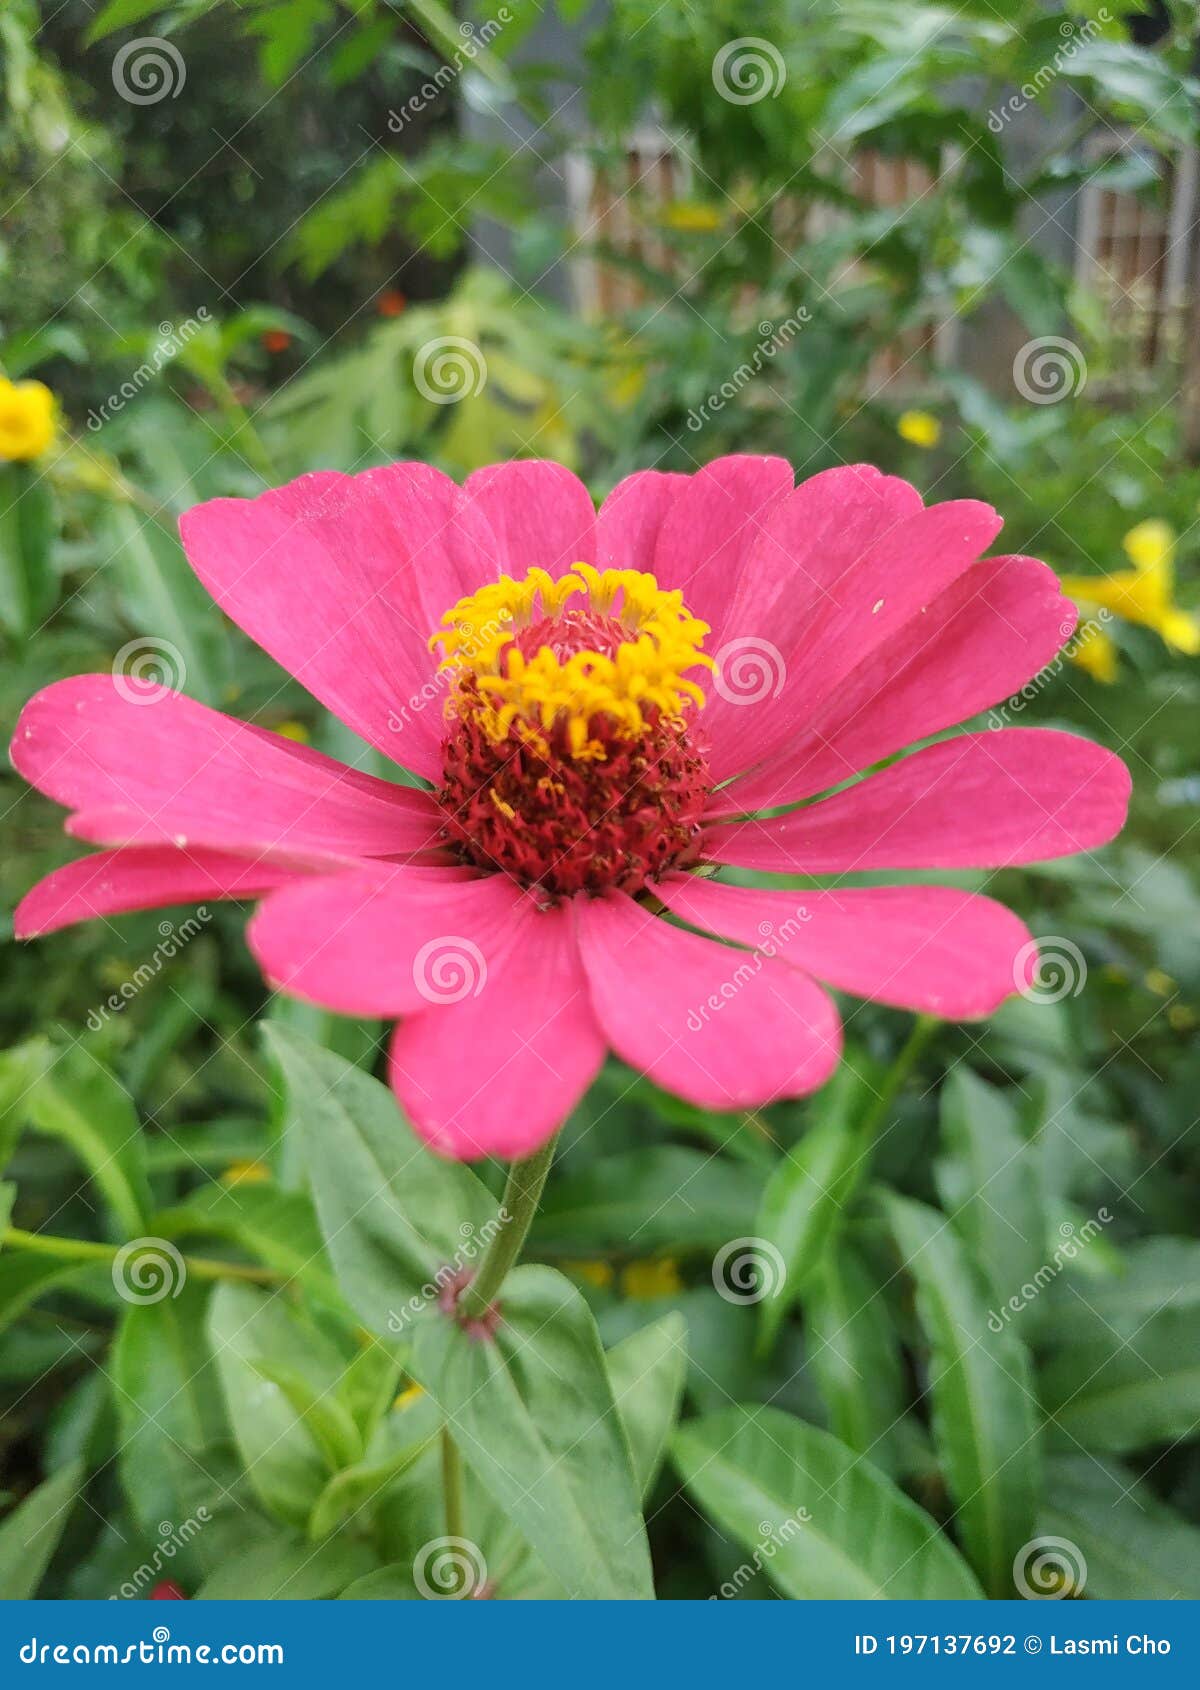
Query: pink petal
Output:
(148,769)
(342,579)
(851,599)
(930,948)
(1001,622)
(1022,795)
(541,515)
(382,940)
(115,882)
(496,1073)
(629,520)
(724,1028)
(710,529)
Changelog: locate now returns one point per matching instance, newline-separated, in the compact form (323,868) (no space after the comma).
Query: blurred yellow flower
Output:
(599,1274)
(1094,651)
(293,730)
(919,429)
(643,1280)
(690,216)
(26,419)
(246,1173)
(1144,594)
(409,1395)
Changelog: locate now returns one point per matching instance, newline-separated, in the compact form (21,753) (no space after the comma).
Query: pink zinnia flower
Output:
(599,703)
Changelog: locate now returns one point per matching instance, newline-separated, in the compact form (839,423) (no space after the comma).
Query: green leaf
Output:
(23,1279)
(1119,1393)
(985,1419)
(278,1228)
(289,1569)
(8,1195)
(281,1456)
(169,608)
(360,1486)
(168,1411)
(394,1215)
(823,1523)
(647,1372)
(532,1411)
(664,1197)
(806,1197)
(78,1100)
(855,1356)
(28,583)
(988,1183)
(1135,1547)
(118,14)
(20,1068)
(30,1534)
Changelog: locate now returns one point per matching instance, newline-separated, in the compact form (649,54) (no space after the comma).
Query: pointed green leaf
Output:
(985,1420)
(1134,1547)
(77,1099)
(818,1519)
(532,1412)
(647,1372)
(855,1356)
(30,1534)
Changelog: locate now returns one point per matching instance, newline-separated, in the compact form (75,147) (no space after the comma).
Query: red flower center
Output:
(572,760)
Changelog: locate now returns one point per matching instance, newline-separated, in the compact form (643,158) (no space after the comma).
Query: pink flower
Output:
(599,703)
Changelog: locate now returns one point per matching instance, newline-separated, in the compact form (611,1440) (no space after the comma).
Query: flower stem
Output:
(87,1250)
(522,1193)
(923,1030)
(452,1486)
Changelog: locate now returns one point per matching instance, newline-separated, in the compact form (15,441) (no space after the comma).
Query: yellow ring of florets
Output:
(646,672)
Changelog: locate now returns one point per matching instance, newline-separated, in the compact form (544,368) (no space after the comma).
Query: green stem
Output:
(923,1030)
(522,1193)
(87,1250)
(452,1486)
